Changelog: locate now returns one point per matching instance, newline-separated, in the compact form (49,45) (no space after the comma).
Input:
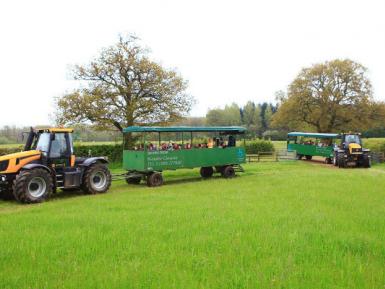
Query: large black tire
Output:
(154,179)
(32,186)
(133,181)
(341,160)
(366,162)
(228,172)
(206,172)
(96,179)
(309,157)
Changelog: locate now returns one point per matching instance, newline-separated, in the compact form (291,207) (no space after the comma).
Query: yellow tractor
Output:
(48,163)
(350,152)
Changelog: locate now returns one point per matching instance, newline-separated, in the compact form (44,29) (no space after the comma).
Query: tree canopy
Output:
(124,87)
(331,96)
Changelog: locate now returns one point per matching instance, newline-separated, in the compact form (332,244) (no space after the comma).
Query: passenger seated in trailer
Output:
(231,142)
(210,144)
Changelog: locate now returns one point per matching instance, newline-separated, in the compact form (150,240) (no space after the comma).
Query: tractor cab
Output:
(351,142)
(55,146)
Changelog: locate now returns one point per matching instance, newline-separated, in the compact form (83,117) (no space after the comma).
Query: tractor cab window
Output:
(43,142)
(58,146)
(352,138)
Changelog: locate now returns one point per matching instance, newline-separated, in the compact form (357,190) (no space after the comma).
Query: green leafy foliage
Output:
(112,151)
(124,87)
(258,146)
(329,97)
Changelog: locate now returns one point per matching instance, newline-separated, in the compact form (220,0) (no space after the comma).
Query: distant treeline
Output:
(82,133)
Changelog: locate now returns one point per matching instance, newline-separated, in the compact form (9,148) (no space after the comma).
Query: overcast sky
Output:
(228,50)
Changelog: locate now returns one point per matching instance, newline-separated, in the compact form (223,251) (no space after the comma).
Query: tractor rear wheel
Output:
(309,157)
(96,179)
(32,186)
(154,180)
(206,172)
(228,172)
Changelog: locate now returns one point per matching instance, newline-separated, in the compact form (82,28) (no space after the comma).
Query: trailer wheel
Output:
(298,157)
(97,179)
(341,160)
(32,186)
(133,181)
(206,172)
(308,157)
(154,180)
(228,172)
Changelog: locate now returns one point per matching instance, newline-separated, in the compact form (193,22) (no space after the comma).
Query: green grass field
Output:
(278,225)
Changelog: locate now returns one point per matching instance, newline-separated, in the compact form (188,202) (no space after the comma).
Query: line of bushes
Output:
(258,146)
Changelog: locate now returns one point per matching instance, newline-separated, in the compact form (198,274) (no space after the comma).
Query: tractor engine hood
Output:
(12,163)
(355,148)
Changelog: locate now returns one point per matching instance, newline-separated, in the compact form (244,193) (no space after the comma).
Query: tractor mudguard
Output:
(33,166)
(89,161)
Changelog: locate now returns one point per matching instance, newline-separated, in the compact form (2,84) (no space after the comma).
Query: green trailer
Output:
(308,145)
(153,150)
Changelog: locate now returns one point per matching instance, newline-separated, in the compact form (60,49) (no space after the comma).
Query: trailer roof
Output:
(313,134)
(225,129)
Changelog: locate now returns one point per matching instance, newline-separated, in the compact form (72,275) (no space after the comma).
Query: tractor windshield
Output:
(352,138)
(43,142)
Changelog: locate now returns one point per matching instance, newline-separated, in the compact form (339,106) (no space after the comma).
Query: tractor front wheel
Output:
(154,180)
(341,161)
(206,172)
(96,179)
(32,186)
(366,161)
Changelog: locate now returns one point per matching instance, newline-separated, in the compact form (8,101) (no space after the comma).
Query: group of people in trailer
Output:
(218,142)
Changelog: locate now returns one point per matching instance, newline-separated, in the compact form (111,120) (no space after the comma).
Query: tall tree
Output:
(123,87)
(331,96)
(251,118)
(230,115)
